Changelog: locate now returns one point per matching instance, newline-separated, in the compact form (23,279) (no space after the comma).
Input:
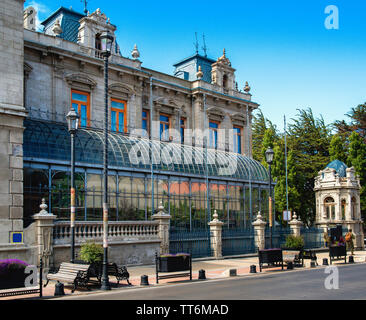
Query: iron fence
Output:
(196,242)
(313,238)
(236,241)
(279,236)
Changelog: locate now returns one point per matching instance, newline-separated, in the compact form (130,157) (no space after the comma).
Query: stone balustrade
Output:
(117,231)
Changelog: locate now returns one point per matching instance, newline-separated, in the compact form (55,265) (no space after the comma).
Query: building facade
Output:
(194,125)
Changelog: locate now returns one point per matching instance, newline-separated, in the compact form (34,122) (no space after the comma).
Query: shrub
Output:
(294,242)
(91,252)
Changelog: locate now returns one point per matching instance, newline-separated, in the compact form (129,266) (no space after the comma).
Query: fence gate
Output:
(196,242)
(236,242)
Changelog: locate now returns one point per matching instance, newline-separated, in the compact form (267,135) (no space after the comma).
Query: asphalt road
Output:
(297,284)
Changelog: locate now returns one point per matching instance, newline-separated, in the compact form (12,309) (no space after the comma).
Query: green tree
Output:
(260,125)
(357,159)
(279,172)
(269,139)
(309,141)
(357,123)
(338,148)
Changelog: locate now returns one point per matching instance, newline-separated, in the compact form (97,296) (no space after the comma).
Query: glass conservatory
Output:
(178,176)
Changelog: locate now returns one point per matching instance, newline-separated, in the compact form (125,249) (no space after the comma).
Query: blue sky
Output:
(281,48)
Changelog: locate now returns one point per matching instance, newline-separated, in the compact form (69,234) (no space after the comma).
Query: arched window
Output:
(343,209)
(329,207)
(224,81)
(353,208)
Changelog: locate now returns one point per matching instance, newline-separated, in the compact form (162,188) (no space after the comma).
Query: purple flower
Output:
(11,264)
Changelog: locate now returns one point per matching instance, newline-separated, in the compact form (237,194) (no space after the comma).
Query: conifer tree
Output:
(357,159)
(338,148)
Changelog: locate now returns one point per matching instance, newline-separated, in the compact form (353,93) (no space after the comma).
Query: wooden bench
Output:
(120,273)
(76,274)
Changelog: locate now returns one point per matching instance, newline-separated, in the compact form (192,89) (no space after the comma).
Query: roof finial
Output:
(85,6)
(199,74)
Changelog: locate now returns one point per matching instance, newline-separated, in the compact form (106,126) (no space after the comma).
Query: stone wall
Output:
(12,114)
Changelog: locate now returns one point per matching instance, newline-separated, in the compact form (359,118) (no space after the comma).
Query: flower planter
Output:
(174,263)
(337,252)
(12,280)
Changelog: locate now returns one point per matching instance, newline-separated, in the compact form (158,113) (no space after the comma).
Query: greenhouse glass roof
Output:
(50,141)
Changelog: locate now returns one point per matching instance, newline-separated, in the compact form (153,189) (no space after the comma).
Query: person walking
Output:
(349,241)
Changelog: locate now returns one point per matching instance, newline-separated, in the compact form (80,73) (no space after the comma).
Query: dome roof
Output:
(339,166)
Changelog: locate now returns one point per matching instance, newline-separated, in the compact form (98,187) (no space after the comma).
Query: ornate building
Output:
(62,68)
(337,192)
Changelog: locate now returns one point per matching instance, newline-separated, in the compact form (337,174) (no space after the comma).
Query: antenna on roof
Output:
(85,6)
(204,45)
(196,43)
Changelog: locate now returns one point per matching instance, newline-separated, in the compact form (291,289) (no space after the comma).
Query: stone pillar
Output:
(295,225)
(44,235)
(12,114)
(259,232)
(216,236)
(164,226)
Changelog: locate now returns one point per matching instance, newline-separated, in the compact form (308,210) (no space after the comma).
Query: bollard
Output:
(325,262)
(59,289)
(290,266)
(144,280)
(232,272)
(202,274)
(253,269)
(351,260)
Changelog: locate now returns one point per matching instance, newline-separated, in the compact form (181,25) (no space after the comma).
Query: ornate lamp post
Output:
(73,124)
(269,160)
(106,41)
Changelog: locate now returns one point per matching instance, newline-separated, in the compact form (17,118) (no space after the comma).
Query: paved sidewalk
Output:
(214,269)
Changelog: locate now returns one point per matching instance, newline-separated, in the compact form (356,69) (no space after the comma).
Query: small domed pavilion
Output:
(337,194)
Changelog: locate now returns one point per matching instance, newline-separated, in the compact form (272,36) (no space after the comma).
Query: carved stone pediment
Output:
(215,113)
(80,79)
(120,89)
(238,119)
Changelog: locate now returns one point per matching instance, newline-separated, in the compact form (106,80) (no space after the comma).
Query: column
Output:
(259,232)
(295,225)
(164,226)
(44,234)
(216,236)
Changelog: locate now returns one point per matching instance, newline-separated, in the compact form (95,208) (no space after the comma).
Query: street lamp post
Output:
(106,41)
(269,160)
(73,123)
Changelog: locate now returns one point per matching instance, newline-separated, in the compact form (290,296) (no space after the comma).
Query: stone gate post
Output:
(44,235)
(259,232)
(216,236)
(164,226)
(295,225)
